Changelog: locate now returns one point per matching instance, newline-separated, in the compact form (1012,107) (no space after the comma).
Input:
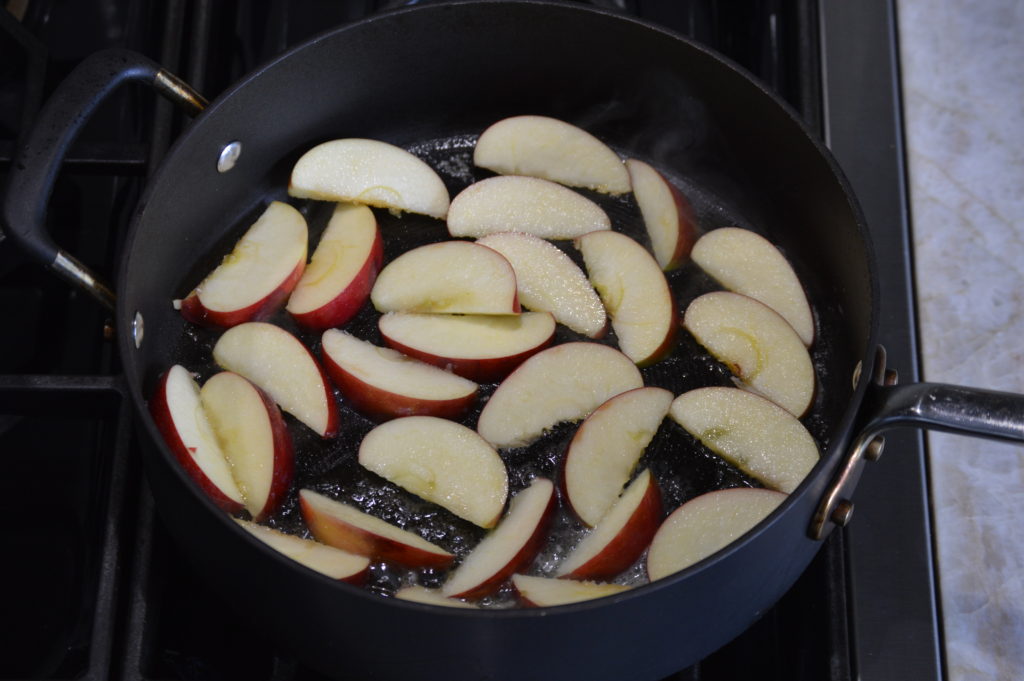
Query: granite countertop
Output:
(963,100)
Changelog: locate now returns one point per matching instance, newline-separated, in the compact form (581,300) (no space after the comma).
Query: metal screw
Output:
(137,330)
(229,156)
(842,513)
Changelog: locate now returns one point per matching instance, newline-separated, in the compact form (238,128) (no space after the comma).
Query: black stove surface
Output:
(101,590)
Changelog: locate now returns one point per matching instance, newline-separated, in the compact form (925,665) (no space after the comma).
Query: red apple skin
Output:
(488,370)
(193,310)
(669,342)
(284,458)
(687,228)
(526,554)
(161,413)
(631,541)
(343,307)
(341,535)
(383,405)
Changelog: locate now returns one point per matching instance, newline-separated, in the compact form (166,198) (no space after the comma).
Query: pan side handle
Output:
(934,406)
(39,156)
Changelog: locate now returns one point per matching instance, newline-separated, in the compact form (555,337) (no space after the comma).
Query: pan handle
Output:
(42,150)
(934,406)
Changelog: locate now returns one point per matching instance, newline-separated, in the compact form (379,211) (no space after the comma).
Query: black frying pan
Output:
(430,79)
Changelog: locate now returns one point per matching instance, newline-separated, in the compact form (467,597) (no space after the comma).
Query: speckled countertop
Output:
(963,99)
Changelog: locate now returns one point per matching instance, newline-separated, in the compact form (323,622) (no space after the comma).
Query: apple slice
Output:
(551,149)
(481,348)
(441,461)
(349,529)
(668,215)
(327,560)
(563,383)
(255,279)
(179,416)
(420,594)
(634,291)
(383,383)
(254,439)
(512,203)
(452,277)
(280,365)
(745,262)
(621,536)
(341,273)
(758,346)
(511,546)
(753,434)
(548,280)
(543,592)
(369,172)
(606,448)
(706,524)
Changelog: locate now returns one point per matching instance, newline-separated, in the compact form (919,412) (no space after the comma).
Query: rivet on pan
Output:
(137,330)
(892,377)
(842,513)
(229,156)
(874,449)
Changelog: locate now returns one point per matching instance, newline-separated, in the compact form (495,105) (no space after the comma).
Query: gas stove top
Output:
(102,591)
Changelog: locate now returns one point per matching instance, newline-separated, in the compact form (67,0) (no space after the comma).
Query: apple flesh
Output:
(760,347)
(369,172)
(563,383)
(280,365)
(706,524)
(256,278)
(539,146)
(341,273)
(543,592)
(667,214)
(621,536)
(420,594)
(455,277)
(747,263)
(548,280)
(635,293)
(254,438)
(481,348)
(512,203)
(606,448)
(753,434)
(511,546)
(384,384)
(349,529)
(327,560)
(441,461)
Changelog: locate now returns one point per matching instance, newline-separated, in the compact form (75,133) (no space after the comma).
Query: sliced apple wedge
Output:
(481,348)
(551,149)
(508,548)
(179,416)
(512,203)
(543,592)
(457,277)
(327,560)
(441,461)
(384,384)
(668,215)
(706,524)
(421,594)
(745,262)
(370,172)
(755,435)
(349,529)
(280,365)
(341,272)
(549,281)
(621,536)
(758,346)
(563,383)
(254,438)
(634,292)
(256,278)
